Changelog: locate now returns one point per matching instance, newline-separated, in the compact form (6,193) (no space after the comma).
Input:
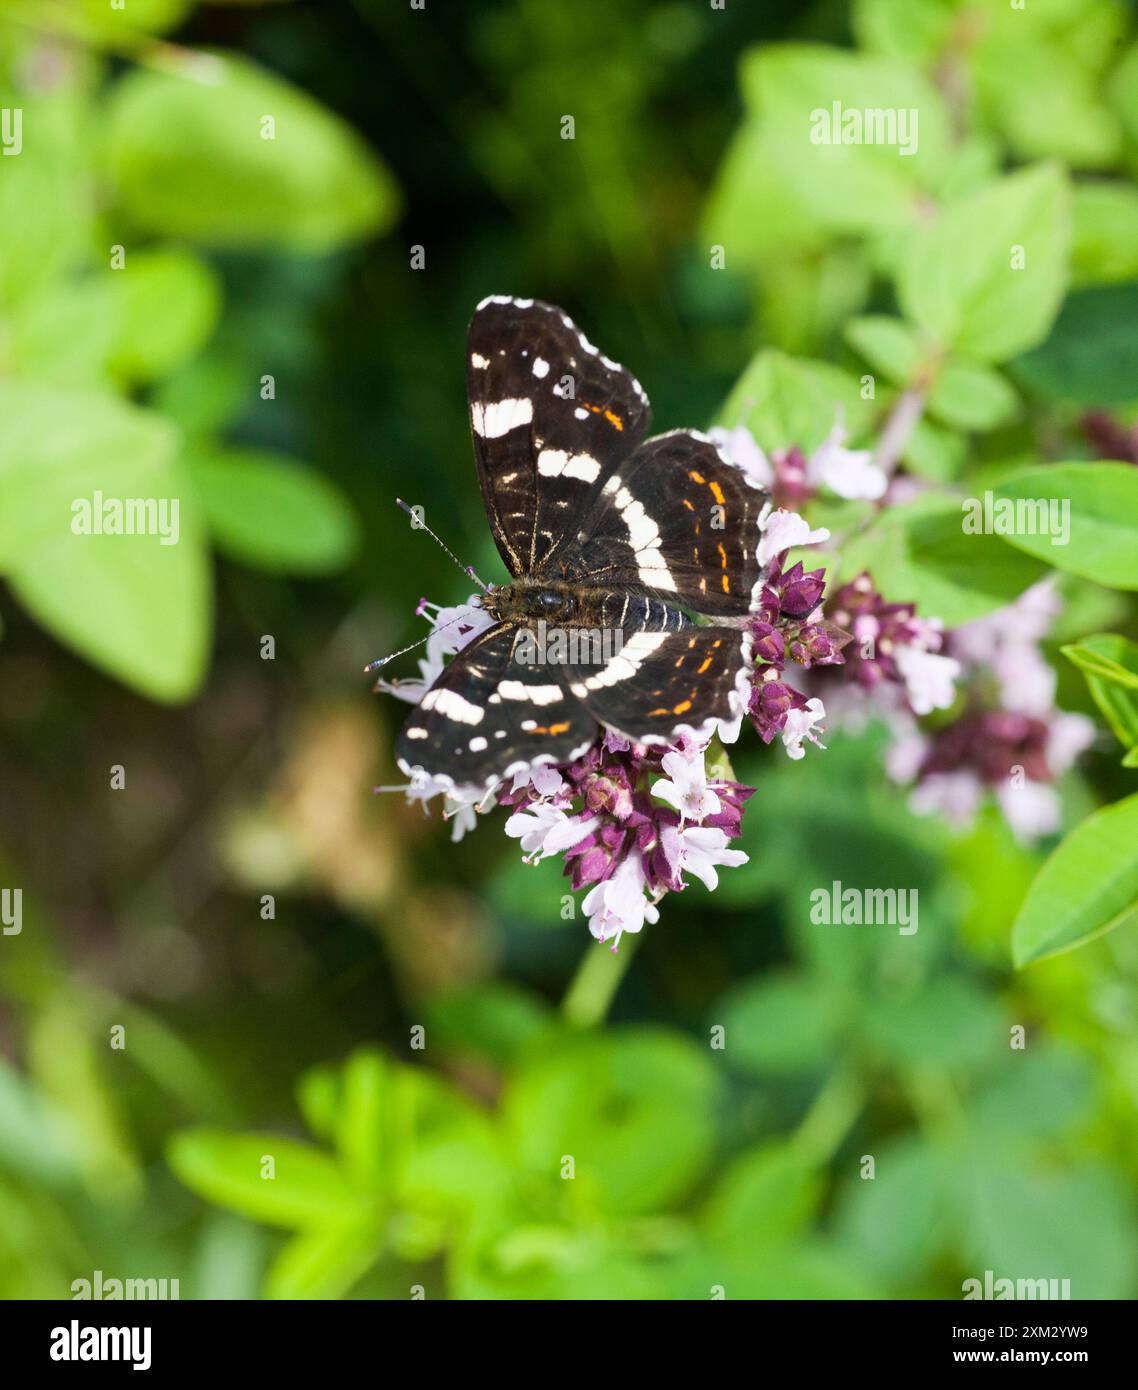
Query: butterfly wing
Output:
(550,419)
(677,518)
(665,683)
(488,715)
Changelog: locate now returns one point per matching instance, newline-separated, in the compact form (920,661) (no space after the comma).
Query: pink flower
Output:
(617,904)
(800,725)
(701,849)
(848,472)
(686,786)
(928,678)
(544,830)
(783,531)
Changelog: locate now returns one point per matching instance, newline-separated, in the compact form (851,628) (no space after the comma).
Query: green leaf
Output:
(495,1022)
(846,185)
(633,1108)
(898,1221)
(791,400)
(1037,1095)
(138,606)
(1101,500)
(359,1121)
(313,186)
(902,29)
(1087,886)
(1044,100)
(1110,665)
(1104,226)
(323,1263)
(1088,1236)
(960,278)
(1107,655)
(765,1197)
(46,198)
(1123,90)
(948,1023)
(136,324)
(273,512)
(919,553)
(1091,355)
(888,345)
(308,1189)
(934,452)
(165,304)
(970,397)
(780,1026)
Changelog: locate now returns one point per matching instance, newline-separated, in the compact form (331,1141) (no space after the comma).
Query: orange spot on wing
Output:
(610,415)
(706,663)
(696,477)
(716,490)
(682,707)
(726,584)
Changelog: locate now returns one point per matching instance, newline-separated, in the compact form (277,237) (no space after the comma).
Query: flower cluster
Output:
(786,622)
(891,645)
(631,822)
(793,478)
(1009,739)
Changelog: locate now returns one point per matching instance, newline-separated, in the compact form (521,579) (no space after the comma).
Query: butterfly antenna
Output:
(420,525)
(383,660)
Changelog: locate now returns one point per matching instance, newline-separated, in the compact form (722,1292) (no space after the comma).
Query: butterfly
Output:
(605,534)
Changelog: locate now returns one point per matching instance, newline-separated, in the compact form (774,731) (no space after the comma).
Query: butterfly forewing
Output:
(550,419)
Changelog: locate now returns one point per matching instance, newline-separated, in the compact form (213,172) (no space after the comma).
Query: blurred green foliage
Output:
(345,1070)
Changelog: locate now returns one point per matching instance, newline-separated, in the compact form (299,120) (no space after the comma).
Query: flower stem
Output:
(898,427)
(594,986)
(829,1119)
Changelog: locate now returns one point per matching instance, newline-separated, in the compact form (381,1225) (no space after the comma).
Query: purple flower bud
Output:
(596,856)
(818,644)
(801,593)
(767,644)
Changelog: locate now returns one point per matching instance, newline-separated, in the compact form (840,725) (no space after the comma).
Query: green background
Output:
(299,1036)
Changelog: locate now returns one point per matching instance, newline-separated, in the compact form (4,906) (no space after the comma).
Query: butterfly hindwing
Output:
(663,683)
(550,419)
(678,518)
(489,714)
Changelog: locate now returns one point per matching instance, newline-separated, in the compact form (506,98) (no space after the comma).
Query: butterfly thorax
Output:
(557,601)
(567,604)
